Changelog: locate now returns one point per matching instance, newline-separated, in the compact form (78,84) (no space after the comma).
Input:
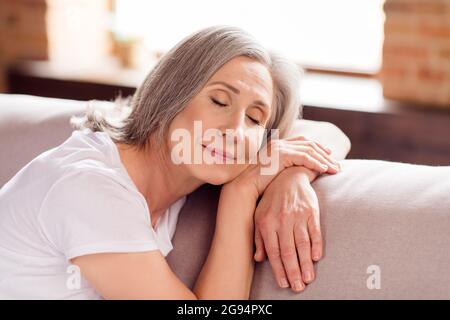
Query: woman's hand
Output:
(287,217)
(287,228)
(285,153)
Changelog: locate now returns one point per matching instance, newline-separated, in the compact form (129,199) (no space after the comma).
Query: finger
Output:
(296,138)
(260,251)
(312,159)
(320,153)
(273,253)
(305,141)
(325,152)
(302,138)
(315,235)
(326,149)
(328,155)
(301,158)
(303,245)
(290,259)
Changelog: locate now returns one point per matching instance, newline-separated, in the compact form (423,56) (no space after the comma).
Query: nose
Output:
(236,129)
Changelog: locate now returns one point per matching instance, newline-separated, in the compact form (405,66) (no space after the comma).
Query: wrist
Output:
(240,189)
(246,184)
(237,204)
(303,173)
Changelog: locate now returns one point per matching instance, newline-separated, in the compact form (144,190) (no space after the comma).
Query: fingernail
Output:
(284,283)
(308,276)
(298,285)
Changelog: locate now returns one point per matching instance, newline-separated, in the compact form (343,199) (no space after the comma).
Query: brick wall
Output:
(416,52)
(72,33)
(22,32)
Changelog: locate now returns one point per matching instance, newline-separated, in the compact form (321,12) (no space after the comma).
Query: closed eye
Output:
(224,105)
(254,120)
(218,103)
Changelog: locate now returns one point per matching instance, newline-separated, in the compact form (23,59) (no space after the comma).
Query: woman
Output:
(105,202)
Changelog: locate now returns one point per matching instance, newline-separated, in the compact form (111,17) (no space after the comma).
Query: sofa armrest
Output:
(379,219)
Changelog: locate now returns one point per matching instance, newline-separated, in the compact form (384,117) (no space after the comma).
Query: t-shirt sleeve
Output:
(89,212)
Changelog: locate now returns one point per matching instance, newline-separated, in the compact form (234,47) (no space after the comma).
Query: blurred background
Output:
(378,69)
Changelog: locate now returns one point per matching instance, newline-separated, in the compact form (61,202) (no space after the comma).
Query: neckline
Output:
(117,163)
(161,228)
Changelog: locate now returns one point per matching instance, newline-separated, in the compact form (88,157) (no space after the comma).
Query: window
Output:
(342,35)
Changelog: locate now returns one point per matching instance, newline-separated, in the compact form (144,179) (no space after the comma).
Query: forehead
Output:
(247,75)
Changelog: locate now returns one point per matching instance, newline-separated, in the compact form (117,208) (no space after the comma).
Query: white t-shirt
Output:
(72,200)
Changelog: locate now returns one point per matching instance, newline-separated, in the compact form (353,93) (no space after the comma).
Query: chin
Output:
(217,174)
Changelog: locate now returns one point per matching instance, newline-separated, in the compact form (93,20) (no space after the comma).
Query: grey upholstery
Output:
(390,217)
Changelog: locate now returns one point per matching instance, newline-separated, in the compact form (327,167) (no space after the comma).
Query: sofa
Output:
(386,225)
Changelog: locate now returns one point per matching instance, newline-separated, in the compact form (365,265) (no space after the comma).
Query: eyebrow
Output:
(236,91)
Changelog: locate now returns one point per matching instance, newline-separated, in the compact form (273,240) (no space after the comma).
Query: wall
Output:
(416,52)
(72,33)
(22,32)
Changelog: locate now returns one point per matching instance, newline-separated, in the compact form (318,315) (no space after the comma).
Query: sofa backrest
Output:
(30,125)
(394,216)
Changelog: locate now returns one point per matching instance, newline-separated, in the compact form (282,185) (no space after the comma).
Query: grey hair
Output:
(181,73)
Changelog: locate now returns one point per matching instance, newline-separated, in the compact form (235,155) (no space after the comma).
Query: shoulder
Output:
(84,207)
(83,149)
(88,190)
(88,179)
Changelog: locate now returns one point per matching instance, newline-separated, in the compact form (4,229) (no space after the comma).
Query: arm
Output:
(227,272)
(290,206)
(232,216)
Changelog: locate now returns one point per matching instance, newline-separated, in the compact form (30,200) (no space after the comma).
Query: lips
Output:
(219,152)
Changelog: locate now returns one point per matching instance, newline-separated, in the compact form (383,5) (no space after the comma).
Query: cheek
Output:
(195,111)
(254,142)
(184,120)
